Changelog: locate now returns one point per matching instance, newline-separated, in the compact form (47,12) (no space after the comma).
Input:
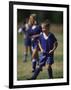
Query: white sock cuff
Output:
(34,60)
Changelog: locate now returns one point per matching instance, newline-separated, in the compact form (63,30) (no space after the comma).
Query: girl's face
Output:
(31,20)
(44,28)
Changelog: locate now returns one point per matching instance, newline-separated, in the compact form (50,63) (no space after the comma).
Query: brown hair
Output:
(46,23)
(33,15)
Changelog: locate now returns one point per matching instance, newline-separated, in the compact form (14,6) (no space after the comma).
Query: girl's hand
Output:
(51,51)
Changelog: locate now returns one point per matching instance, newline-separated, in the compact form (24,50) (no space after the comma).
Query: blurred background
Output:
(55,17)
(56,27)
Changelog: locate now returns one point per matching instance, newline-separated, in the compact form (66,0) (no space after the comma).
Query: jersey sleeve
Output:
(39,38)
(23,29)
(53,38)
(19,30)
(40,29)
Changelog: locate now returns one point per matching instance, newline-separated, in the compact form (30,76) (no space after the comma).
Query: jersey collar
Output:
(45,36)
(33,27)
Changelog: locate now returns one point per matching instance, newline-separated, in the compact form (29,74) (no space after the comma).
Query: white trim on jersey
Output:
(20,30)
(33,27)
(45,36)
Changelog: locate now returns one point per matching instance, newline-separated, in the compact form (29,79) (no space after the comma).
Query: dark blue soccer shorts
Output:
(27,42)
(43,59)
(50,60)
(34,45)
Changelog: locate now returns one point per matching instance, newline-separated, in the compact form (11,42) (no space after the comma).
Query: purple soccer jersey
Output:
(34,33)
(47,43)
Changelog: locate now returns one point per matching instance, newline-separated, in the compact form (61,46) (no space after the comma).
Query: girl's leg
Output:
(50,72)
(38,69)
(36,73)
(34,59)
(25,53)
(29,48)
(37,57)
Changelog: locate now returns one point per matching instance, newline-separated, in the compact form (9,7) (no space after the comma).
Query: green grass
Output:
(24,70)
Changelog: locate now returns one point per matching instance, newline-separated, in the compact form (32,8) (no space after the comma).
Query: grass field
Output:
(24,70)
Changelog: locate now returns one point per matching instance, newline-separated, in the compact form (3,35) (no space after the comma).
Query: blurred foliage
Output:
(54,16)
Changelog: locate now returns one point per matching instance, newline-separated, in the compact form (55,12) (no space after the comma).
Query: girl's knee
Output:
(49,66)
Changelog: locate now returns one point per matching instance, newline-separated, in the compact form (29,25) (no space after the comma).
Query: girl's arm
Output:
(40,46)
(54,47)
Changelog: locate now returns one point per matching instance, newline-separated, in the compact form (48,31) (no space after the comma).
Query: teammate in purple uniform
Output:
(27,39)
(34,32)
(47,44)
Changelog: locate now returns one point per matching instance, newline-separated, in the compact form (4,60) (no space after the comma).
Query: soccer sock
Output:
(50,74)
(35,74)
(30,54)
(25,57)
(37,61)
(34,64)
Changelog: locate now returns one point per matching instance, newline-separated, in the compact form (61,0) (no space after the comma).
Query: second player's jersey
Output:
(34,30)
(34,33)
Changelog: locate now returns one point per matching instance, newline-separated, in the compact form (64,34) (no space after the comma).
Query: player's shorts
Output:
(50,60)
(34,45)
(27,42)
(43,59)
